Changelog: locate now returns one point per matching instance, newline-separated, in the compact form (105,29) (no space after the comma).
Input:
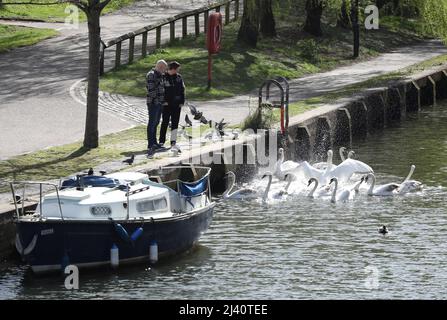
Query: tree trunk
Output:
(355,27)
(249,30)
(268,25)
(314,11)
(343,20)
(91,137)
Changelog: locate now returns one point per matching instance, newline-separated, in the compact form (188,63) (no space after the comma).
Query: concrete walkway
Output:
(36,108)
(235,109)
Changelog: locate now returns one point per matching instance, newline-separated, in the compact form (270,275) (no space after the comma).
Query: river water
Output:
(302,248)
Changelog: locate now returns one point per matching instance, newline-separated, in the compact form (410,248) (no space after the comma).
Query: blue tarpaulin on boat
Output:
(191,189)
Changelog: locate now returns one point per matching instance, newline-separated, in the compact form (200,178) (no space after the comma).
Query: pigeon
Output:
(102,172)
(193,109)
(220,127)
(90,172)
(188,121)
(130,160)
(197,115)
(203,120)
(18,199)
(184,133)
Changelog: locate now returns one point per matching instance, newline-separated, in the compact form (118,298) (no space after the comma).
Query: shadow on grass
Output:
(42,165)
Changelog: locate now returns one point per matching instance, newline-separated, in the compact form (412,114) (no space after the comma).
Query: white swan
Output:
(283,167)
(410,185)
(342,195)
(289,178)
(344,171)
(328,165)
(267,189)
(386,190)
(342,151)
(241,194)
(323,191)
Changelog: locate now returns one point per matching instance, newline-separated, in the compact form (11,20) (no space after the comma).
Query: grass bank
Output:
(50,13)
(239,69)
(16,36)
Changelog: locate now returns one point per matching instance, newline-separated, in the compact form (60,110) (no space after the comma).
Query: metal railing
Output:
(157,28)
(23,198)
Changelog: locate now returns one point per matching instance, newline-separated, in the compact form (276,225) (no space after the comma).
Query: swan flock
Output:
(323,180)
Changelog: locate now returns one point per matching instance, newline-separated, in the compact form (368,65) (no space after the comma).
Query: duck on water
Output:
(88,218)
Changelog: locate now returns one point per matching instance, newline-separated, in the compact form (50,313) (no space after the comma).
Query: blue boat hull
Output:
(51,245)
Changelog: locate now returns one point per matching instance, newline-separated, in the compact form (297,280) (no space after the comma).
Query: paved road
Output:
(235,109)
(36,108)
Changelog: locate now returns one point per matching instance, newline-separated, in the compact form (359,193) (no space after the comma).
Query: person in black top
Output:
(174,100)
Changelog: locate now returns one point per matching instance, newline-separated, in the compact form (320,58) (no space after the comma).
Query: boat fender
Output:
(65,261)
(136,234)
(19,246)
(114,256)
(153,252)
(29,248)
(122,233)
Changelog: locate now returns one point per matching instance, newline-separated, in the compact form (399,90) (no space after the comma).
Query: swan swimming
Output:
(267,189)
(342,151)
(323,191)
(410,185)
(283,167)
(342,196)
(241,194)
(328,165)
(386,190)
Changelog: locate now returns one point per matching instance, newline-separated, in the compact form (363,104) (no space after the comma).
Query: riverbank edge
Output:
(309,135)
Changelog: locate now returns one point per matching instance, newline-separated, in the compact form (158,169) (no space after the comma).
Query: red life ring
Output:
(214,34)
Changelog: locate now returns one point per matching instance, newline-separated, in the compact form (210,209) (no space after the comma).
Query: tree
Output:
(267,23)
(355,26)
(92,9)
(249,30)
(314,11)
(343,19)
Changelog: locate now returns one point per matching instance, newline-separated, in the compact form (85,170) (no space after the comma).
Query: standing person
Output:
(155,100)
(174,100)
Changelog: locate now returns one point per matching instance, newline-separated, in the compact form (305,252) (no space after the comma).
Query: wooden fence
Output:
(157,28)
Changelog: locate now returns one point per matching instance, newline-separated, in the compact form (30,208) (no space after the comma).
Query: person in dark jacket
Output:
(155,100)
(174,100)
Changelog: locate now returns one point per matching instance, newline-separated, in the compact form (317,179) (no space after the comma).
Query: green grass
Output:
(238,70)
(51,13)
(61,161)
(15,36)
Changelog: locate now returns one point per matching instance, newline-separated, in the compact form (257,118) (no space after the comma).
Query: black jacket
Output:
(174,90)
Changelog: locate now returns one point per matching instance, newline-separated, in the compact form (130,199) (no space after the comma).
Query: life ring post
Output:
(210,70)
